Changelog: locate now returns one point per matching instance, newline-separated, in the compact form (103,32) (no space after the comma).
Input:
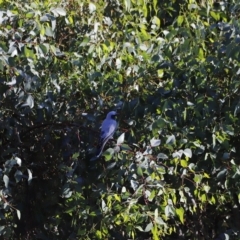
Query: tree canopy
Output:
(171,70)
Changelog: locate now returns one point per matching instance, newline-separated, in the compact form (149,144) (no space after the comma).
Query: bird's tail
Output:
(99,152)
(100,149)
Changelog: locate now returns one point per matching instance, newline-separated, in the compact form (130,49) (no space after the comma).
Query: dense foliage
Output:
(170,68)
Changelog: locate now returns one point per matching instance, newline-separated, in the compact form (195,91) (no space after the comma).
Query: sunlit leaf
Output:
(184,163)
(121,139)
(171,140)
(29,176)
(180,20)
(215,15)
(180,214)
(155,142)
(6,180)
(162,156)
(187,152)
(18,214)
(148,227)
(92,8)
(58,11)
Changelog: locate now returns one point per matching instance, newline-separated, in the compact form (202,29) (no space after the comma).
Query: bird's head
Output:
(111,115)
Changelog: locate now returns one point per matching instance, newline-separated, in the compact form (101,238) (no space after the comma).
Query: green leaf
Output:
(139,171)
(30,15)
(197,178)
(44,48)
(152,195)
(157,125)
(155,5)
(85,42)
(125,147)
(127,4)
(70,19)
(180,20)
(42,31)
(213,200)
(99,234)
(160,73)
(180,214)
(108,154)
(201,54)
(203,198)
(144,35)
(145,10)
(117,197)
(29,53)
(185,114)
(1,65)
(155,232)
(75,156)
(183,163)
(206,188)
(49,32)
(156,21)
(215,15)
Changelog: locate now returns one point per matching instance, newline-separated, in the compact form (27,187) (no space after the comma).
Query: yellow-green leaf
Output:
(42,31)
(183,163)
(215,15)
(180,213)
(144,35)
(203,198)
(156,21)
(70,19)
(117,197)
(160,73)
(155,232)
(205,175)
(180,20)
(29,14)
(99,234)
(201,54)
(213,200)
(145,11)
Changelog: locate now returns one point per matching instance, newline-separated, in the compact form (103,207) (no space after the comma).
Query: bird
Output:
(109,126)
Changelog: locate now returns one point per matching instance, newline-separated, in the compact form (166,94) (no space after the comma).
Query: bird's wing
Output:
(108,129)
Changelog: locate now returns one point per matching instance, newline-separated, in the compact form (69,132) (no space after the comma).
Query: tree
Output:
(170,69)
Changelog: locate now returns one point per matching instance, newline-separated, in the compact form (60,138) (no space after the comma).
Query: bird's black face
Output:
(113,116)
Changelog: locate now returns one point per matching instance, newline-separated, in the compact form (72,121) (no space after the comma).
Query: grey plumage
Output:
(108,128)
